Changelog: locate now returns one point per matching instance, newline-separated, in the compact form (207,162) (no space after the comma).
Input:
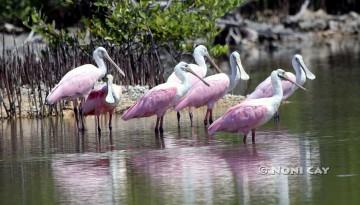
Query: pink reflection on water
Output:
(229,170)
(85,180)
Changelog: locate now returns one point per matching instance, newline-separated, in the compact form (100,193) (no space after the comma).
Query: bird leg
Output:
(244,139)
(277,116)
(159,138)
(178,117)
(110,119)
(75,104)
(99,142)
(253,136)
(210,117)
(161,124)
(111,141)
(206,117)
(98,123)
(81,114)
(76,116)
(157,124)
(191,118)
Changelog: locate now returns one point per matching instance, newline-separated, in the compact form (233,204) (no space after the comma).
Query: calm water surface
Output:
(48,162)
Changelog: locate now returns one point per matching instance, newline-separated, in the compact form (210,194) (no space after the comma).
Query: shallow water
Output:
(49,162)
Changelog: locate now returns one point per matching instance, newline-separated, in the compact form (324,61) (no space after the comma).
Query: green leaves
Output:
(177,24)
(122,22)
(218,50)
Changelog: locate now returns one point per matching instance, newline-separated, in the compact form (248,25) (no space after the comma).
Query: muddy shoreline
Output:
(129,96)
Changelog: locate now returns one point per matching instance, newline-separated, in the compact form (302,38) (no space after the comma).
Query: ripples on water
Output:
(47,161)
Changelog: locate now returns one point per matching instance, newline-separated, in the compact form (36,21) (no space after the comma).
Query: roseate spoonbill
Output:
(78,82)
(301,73)
(200,68)
(253,113)
(200,95)
(103,99)
(157,100)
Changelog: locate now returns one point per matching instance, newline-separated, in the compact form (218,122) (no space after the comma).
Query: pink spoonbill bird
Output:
(253,113)
(102,99)
(200,95)
(200,68)
(157,100)
(302,72)
(78,82)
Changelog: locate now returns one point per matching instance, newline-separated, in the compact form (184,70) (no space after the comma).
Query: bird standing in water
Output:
(103,99)
(264,89)
(220,84)
(157,100)
(79,82)
(200,68)
(253,113)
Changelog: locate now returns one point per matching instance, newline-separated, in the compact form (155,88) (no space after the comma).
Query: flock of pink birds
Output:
(187,87)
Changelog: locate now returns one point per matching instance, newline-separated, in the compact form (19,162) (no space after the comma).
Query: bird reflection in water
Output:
(159,140)
(83,180)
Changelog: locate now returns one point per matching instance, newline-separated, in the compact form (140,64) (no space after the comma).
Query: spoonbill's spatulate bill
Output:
(78,82)
(157,100)
(200,68)
(200,95)
(253,113)
(102,99)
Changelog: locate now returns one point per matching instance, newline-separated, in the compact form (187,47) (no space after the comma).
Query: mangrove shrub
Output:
(175,24)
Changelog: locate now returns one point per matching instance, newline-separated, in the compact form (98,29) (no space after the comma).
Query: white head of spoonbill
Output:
(298,60)
(109,97)
(236,57)
(202,50)
(102,53)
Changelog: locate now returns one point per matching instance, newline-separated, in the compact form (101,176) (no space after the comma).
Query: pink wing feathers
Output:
(96,104)
(95,100)
(200,94)
(78,71)
(156,101)
(77,82)
(239,118)
(264,89)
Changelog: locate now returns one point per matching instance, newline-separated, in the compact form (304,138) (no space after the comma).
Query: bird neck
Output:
(277,87)
(186,80)
(235,74)
(199,59)
(299,73)
(185,84)
(115,91)
(100,63)
(110,97)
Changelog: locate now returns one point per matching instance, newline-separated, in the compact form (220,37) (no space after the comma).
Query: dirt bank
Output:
(129,96)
